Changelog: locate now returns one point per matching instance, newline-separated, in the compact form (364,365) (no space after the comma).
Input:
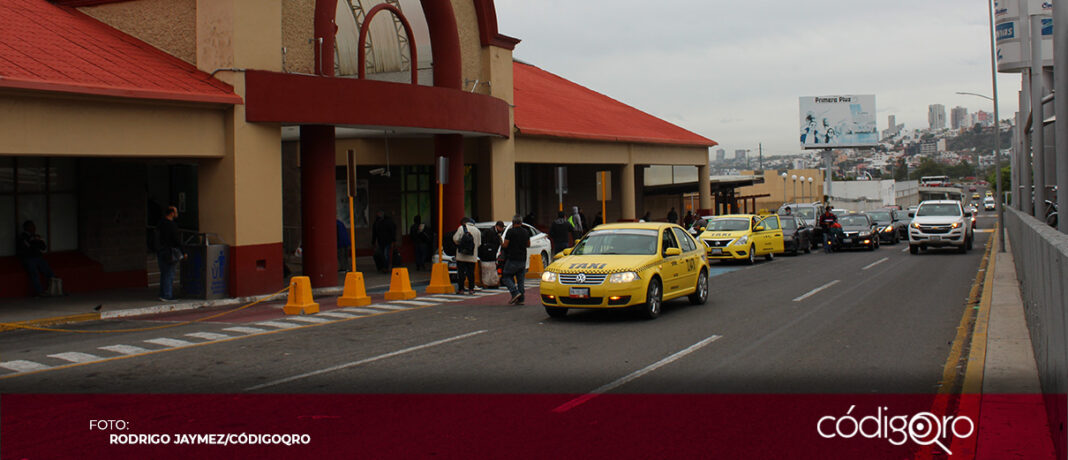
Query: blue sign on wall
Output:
(1006,31)
(1047,27)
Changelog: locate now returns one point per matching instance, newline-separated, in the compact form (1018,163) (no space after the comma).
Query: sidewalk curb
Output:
(52,321)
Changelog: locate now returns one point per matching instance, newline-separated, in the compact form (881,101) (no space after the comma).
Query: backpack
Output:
(467,243)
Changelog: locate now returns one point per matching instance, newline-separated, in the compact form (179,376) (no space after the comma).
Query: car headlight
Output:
(955,225)
(889,228)
(624,277)
(548,277)
(915,225)
(743,240)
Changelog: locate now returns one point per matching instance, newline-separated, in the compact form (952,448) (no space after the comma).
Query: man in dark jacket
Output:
(672,216)
(383,235)
(30,249)
(560,233)
(169,254)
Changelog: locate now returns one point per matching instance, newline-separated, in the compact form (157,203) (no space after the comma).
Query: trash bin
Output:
(205,270)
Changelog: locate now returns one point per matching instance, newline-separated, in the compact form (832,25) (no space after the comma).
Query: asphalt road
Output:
(883,322)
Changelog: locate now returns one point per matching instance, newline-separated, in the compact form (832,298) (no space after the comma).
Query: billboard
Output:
(1013,33)
(838,121)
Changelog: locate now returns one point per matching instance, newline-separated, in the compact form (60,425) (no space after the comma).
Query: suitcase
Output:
(488,270)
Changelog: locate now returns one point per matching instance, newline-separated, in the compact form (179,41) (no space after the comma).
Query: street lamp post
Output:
(802,179)
(784,188)
(811,192)
(793,177)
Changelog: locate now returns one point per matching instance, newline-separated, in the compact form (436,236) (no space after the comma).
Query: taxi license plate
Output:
(847,240)
(715,251)
(579,292)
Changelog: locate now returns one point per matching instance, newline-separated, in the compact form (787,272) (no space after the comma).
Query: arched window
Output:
(388,55)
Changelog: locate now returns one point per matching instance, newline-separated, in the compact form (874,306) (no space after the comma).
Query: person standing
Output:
(559,233)
(673,217)
(515,244)
(688,220)
(421,239)
(384,235)
(578,224)
(467,239)
(30,250)
(169,254)
(343,244)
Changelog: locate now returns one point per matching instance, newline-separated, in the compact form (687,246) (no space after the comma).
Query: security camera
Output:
(380,172)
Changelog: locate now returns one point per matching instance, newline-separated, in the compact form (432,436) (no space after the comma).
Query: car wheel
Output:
(913,249)
(963,249)
(700,295)
(653,299)
(971,242)
(808,247)
(769,256)
(752,256)
(545,262)
(556,312)
(897,239)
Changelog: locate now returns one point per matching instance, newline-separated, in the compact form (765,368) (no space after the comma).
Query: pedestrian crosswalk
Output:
(188,339)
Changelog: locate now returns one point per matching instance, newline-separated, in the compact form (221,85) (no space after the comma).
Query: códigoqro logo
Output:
(923,428)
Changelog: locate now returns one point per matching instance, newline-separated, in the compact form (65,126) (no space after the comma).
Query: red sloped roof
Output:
(548,105)
(56,48)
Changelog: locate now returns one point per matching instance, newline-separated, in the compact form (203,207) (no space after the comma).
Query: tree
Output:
(929,167)
(1006,178)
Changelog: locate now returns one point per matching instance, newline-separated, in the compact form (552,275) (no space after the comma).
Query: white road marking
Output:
(877,262)
(906,249)
(76,357)
(636,374)
(389,307)
(307,319)
(208,335)
(245,330)
(124,349)
(414,303)
(454,297)
(361,311)
(336,314)
(23,366)
(442,298)
(814,291)
(169,342)
(278,324)
(365,361)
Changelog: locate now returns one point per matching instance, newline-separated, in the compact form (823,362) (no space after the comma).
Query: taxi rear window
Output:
(621,241)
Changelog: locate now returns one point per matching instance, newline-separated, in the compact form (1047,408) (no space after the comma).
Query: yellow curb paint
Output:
(50,321)
(949,371)
(973,375)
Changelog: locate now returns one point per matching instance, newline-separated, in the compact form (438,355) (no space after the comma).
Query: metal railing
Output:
(1041,256)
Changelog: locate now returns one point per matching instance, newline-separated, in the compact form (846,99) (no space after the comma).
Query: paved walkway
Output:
(117,303)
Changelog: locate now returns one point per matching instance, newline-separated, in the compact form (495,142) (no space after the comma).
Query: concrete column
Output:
(317,195)
(497,63)
(1038,138)
(241,194)
(628,199)
(1024,193)
(704,189)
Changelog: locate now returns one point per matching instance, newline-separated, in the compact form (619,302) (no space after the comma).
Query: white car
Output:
(539,244)
(988,203)
(940,223)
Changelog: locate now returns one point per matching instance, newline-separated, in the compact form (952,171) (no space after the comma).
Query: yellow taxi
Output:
(627,265)
(743,237)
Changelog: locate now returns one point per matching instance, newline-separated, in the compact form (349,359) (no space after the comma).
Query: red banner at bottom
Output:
(528,426)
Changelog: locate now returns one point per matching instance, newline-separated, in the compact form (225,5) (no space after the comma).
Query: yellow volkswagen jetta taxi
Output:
(624,265)
(743,237)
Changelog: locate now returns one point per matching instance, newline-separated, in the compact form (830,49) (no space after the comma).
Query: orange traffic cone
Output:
(535,267)
(300,300)
(400,287)
(355,295)
(439,280)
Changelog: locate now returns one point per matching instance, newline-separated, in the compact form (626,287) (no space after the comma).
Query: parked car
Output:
(893,225)
(940,223)
(796,234)
(539,244)
(637,265)
(859,231)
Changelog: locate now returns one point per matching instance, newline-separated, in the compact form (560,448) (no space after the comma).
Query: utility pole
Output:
(761,154)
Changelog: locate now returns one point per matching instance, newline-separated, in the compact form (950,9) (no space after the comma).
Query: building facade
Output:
(246,115)
(936,116)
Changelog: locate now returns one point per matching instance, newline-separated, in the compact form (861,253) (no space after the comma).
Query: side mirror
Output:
(672,252)
(759,228)
(566,251)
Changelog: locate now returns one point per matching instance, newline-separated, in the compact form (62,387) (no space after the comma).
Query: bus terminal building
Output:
(244,113)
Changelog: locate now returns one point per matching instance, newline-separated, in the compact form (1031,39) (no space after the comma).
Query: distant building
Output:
(958,118)
(721,154)
(739,154)
(984,118)
(892,128)
(936,116)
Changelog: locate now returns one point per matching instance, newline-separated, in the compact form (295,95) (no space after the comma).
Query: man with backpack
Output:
(560,233)
(467,239)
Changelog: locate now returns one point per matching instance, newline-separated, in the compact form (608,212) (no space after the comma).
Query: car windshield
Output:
(619,241)
(788,222)
(938,209)
(808,213)
(880,216)
(728,225)
(854,221)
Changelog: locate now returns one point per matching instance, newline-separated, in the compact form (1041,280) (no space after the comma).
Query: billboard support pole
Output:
(828,163)
(999,202)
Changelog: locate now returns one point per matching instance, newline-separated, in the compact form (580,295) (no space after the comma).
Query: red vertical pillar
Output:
(317,195)
(451,146)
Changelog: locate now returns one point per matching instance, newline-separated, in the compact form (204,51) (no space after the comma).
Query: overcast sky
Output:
(733,71)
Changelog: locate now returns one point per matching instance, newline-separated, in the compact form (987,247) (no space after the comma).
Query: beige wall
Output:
(773,185)
(84,126)
(298,26)
(568,151)
(169,25)
(471,51)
